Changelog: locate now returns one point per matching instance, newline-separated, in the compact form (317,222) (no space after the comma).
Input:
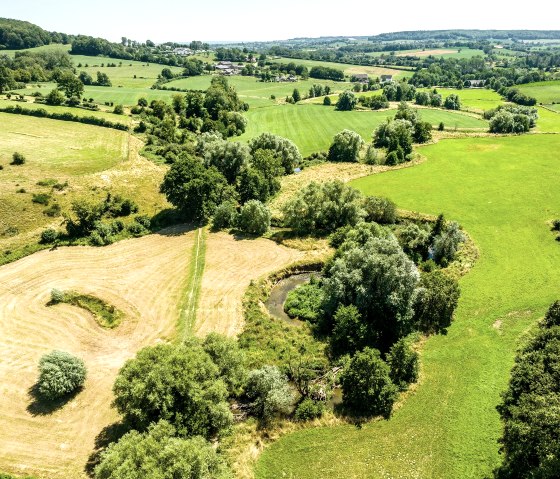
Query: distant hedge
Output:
(66,116)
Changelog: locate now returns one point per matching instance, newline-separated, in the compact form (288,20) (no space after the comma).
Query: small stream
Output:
(275,302)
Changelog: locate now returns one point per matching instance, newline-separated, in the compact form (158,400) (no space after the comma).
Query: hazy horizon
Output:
(251,21)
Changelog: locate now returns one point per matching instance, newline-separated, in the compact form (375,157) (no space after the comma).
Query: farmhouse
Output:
(361,77)
(228,68)
(476,83)
(183,51)
(386,78)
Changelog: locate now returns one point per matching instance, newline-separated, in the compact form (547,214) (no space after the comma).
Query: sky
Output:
(259,20)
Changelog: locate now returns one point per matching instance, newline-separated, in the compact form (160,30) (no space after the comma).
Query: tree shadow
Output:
(39,406)
(109,434)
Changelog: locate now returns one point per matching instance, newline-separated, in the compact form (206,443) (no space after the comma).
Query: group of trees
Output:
(372,296)
(530,407)
(17,34)
(102,79)
(230,173)
(511,119)
(326,73)
(397,135)
(174,399)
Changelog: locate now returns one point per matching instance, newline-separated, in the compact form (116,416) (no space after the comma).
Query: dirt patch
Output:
(230,266)
(142,277)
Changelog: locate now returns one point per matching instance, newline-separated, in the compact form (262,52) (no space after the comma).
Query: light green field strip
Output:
(503,190)
(187,317)
(545,92)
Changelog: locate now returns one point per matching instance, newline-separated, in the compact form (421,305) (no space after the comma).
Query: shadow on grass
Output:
(109,434)
(39,406)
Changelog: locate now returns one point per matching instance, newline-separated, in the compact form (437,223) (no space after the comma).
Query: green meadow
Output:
(255,92)
(545,92)
(502,190)
(476,99)
(456,53)
(312,127)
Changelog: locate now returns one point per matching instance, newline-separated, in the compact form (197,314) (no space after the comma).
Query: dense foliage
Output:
(346,146)
(17,34)
(180,384)
(269,393)
(158,454)
(530,408)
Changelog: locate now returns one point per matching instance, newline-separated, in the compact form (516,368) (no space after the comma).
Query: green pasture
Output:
(503,190)
(477,99)
(545,91)
(346,68)
(548,122)
(255,92)
(312,127)
(52,47)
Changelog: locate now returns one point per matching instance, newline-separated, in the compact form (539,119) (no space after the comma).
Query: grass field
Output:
(476,99)
(346,68)
(503,191)
(545,92)
(312,127)
(257,93)
(91,159)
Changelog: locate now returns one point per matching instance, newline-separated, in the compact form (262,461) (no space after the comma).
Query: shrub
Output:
(366,385)
(346,146)
(49,236)
(136,229)
(17,159)
(60,374)
(269,393)
(309,409)
(346,101)
(441,126)
(305,301)
(57,296)
(254,218)
(447,243)
(143,221)
(327,101)
(381,210)
(41,198)
(372,156)
(556,225)
(224,216)
(452,102)
(403,362)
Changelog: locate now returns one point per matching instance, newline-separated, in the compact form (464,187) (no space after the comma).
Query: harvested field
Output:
(142,277)
(427,53)
(230,266)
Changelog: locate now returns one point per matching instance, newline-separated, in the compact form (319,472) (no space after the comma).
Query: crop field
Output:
(148,294)
(256,93)
(348,69)
(91,159)
(545,92)
(312,127)
(503,191)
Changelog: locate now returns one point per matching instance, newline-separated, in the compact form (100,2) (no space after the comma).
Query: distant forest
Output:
(16,35)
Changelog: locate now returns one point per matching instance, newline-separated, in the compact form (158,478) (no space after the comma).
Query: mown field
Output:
(346,68)
(476,99)
(437,52)
(312,127)
(503,191)
(545,92)
(92,160)
(258,93)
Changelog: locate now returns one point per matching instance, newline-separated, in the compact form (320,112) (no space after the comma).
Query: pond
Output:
(275,302)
